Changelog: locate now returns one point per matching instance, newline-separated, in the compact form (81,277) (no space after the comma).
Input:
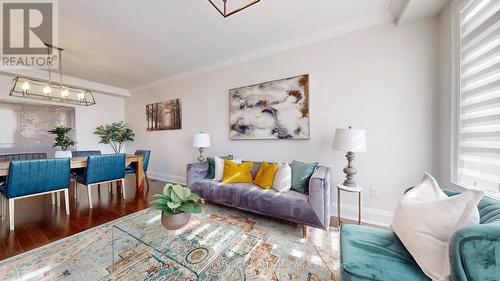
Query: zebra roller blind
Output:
(478,163)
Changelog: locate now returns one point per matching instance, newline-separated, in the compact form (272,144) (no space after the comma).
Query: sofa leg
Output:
(304,231)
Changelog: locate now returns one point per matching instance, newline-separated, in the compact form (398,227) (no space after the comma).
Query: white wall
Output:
(445,96)
(383,79)
(108,109)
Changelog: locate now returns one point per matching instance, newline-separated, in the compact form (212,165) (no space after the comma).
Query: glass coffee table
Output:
(187,252)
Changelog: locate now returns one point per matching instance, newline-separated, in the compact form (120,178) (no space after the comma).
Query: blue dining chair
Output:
(29,178)
(85,153)
(81,153)
(101,169)
(19,156)
(23,156)
(132,167)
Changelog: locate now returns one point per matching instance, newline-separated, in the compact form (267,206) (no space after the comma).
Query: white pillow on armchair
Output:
(425,220)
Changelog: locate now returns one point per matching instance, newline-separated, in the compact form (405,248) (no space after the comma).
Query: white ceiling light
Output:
(33,88)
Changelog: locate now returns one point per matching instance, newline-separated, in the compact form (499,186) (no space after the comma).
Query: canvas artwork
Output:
(165,115)
(271,110)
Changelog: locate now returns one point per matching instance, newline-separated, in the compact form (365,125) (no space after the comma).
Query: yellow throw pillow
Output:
(265,175)
(237,173)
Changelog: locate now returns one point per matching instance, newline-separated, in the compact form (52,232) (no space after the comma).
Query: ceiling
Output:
(132,43)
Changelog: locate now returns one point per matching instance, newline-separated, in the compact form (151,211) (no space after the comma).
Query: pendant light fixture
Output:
(39,89)
(231,7)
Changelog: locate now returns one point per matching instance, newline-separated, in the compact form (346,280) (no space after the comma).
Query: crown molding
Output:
(275,49)
(397,8)
(70,81)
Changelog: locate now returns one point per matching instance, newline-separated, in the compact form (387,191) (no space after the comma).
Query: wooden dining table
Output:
(81,162)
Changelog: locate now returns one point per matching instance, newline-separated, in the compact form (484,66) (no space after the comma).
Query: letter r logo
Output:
(26,27)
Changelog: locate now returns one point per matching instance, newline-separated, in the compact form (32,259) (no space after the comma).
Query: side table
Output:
(356,189)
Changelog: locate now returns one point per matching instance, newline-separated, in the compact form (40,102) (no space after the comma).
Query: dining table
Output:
(81,162)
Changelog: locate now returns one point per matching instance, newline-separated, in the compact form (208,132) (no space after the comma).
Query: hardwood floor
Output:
(38,222)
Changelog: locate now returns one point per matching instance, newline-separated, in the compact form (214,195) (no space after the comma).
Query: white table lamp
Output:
(350,141)
(201,141)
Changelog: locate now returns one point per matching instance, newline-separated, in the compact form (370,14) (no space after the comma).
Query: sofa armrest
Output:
(319,195)
(196,171)
(475,253)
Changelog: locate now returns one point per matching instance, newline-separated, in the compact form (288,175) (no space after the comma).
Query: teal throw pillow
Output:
(211,165)
(301,173)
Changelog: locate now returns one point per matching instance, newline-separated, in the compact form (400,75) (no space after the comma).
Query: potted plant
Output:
(115,134)
(176,205)
(62,140)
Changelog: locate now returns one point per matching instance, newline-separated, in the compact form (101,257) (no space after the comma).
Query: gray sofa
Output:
(308,210)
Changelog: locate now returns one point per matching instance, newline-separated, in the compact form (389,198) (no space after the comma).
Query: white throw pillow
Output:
(283,178)
(425,220)
(219,167)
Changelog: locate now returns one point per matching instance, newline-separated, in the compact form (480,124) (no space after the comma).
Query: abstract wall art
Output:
(272,110)
(165,115)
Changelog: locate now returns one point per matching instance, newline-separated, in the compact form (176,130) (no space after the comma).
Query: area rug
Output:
(278,252)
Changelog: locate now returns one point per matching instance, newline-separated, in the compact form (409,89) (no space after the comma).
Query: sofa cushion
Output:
(489,209)
(375,254)
(265,175)
(292,206)
(211,165)
(301,173)
(237,173)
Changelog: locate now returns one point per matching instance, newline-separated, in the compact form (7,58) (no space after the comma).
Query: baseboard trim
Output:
(368,215)
(166,177)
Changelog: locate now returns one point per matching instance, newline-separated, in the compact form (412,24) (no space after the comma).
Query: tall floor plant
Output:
(115,134)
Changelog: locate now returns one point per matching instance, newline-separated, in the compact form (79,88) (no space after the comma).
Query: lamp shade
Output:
(201,140)
(350,140)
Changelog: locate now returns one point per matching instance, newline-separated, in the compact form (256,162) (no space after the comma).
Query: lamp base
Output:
(201,158)
(350,171)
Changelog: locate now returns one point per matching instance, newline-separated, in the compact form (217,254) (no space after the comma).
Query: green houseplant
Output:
(62,140)
(115,134)
(176,205)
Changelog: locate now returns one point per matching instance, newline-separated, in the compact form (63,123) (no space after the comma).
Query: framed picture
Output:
(165,115)
(272,110)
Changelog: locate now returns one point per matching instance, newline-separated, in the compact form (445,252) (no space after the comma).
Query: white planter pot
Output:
(63,154)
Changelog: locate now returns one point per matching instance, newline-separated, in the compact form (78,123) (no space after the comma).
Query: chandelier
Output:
(39,89)
(226,9)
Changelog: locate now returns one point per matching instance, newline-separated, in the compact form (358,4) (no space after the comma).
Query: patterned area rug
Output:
(276,251)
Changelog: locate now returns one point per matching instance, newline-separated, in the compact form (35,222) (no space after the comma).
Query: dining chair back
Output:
(146,154)
(35,177)
(132,168)
(22,156)
(85,153)
(104,168)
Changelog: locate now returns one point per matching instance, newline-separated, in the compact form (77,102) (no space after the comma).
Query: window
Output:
(478,114)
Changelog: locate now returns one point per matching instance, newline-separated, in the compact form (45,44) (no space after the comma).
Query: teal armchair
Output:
(475,250)
(368,253)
